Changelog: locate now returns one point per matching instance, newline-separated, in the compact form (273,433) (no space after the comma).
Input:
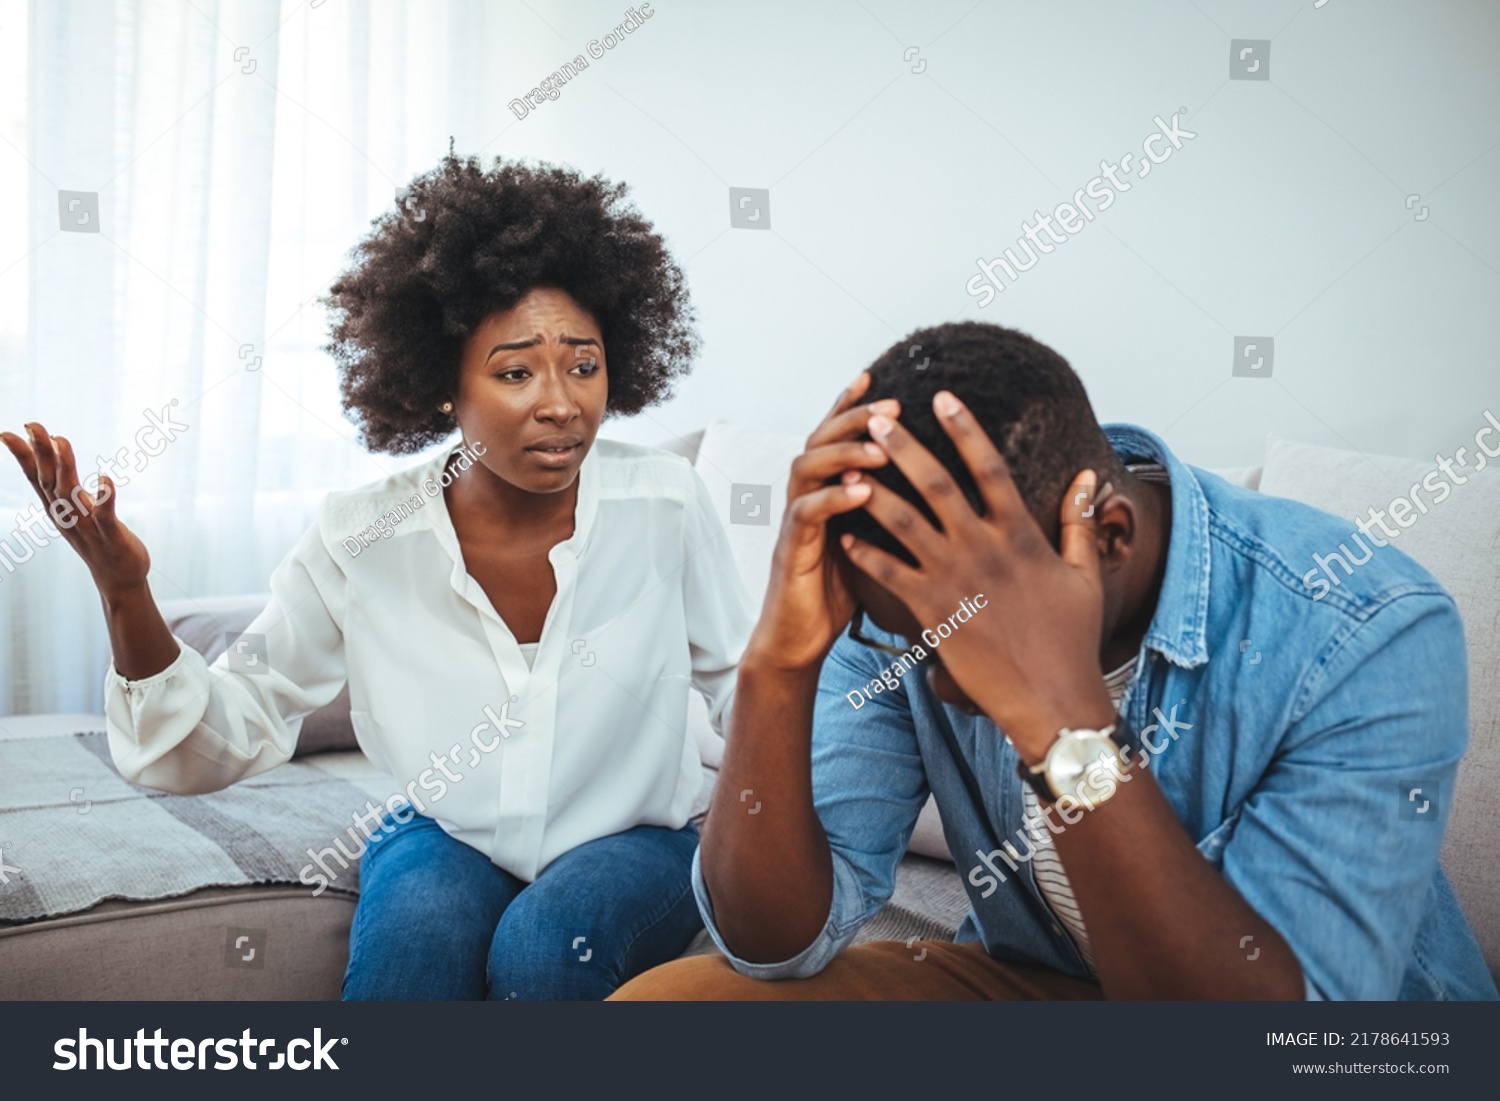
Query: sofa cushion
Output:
(206,625)
(1458,541)
(256,943)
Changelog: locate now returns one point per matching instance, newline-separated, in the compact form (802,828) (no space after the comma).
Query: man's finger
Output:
(850,394)
(902,520)
(816,465)
(929,477)
(985,462)
(813,510)
(885,568)
(852,423)
(1079,543)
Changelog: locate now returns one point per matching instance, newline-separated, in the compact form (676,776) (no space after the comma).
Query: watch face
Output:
(1072,758)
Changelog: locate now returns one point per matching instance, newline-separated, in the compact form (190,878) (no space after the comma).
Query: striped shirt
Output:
(1046,865)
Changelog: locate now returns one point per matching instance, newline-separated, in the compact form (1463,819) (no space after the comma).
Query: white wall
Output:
(1285,216)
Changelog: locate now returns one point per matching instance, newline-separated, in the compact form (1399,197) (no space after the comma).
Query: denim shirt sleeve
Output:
(1322,849)
(868,787)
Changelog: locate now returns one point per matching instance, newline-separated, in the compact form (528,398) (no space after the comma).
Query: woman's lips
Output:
(555,453)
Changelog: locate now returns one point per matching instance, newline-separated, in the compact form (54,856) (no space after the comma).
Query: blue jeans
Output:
(437,921)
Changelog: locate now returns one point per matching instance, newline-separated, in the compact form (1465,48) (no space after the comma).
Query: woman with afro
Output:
(518,619)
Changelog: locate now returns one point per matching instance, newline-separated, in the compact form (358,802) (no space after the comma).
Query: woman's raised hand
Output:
(114,555)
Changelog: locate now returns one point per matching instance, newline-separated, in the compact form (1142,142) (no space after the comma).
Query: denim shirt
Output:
(1285,731)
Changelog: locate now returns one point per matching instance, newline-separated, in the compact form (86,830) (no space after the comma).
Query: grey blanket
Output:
(74,833)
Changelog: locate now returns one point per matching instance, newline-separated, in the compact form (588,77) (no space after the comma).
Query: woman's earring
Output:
(446,407)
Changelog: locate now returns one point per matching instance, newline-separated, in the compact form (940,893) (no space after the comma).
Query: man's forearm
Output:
(1162,922)
(765,857)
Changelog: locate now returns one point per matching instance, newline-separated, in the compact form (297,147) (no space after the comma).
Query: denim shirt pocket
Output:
(1212,845)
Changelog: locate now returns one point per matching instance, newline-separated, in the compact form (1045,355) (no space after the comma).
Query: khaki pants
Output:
(929,970)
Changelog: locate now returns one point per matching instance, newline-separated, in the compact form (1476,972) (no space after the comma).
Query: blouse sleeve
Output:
(196,727)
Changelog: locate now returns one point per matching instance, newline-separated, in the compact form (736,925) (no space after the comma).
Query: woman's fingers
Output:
(67,486)
(21,451)
(46,458)
(63,483)
(103,509)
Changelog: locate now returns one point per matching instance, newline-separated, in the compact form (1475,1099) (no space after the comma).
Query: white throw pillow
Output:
(1457,539)
(758,463)
(1247,477)
(730,454)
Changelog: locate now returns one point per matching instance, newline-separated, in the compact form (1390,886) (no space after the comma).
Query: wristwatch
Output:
(1079,765)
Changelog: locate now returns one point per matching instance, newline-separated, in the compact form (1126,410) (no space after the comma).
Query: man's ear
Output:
(1118,523)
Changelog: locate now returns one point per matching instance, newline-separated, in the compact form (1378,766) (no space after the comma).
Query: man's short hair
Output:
(1023,394)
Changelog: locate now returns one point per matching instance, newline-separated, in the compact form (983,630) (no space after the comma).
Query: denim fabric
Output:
(1291,724)
(437,921)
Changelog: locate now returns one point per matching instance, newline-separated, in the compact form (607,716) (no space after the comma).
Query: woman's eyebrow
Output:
(533,341)
(511,346)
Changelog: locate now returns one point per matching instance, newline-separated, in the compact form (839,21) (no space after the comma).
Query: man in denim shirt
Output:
(1207,821)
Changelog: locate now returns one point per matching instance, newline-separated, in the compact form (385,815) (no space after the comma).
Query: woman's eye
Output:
(514,374)
(587,367)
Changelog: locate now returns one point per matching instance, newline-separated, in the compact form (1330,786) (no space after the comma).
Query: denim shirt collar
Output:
(1179,629)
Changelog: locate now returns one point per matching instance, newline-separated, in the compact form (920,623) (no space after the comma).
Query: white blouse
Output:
(521,763)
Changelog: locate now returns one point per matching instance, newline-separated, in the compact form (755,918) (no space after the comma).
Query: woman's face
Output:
(532,386)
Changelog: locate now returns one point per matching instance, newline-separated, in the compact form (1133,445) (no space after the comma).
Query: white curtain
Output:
(226,156)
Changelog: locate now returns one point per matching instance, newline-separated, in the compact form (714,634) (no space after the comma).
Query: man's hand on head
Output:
(1030,657)
(807,605)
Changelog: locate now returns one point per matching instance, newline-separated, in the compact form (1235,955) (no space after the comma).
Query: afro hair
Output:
(465,243)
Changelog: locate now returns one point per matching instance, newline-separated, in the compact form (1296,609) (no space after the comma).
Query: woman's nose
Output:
(555,403)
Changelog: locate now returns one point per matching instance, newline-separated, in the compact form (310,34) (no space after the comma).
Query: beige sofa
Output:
(211,927)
